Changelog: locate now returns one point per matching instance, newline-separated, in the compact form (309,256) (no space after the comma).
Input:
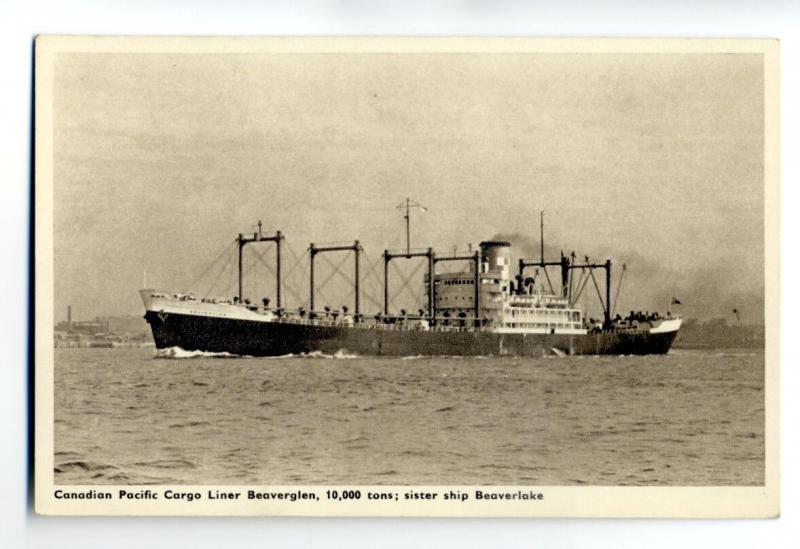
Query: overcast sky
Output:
(654,160)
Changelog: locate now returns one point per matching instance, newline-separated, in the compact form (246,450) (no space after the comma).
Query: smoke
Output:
(710,291)
(523,246)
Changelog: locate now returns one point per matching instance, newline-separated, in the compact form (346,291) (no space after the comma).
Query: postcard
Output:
(406,277)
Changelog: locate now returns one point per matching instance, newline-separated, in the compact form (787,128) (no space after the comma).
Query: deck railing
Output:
(407,325)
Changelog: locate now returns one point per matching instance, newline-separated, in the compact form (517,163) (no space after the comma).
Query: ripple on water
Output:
(167,464)
(393,421)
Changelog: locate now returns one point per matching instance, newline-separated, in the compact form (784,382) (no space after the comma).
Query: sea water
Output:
(135,416)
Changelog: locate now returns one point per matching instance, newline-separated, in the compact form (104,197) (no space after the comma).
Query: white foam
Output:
(340,354)
(179,352)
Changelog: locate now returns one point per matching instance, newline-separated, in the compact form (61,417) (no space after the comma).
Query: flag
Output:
(675,301)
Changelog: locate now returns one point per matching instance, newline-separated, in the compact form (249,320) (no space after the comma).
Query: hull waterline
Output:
(277,338)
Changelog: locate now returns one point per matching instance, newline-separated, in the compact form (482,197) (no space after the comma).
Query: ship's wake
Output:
(179,352)
(340,354)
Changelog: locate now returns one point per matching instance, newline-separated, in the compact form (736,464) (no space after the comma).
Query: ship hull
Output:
(259,338)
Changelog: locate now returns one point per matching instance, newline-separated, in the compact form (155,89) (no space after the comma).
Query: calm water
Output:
(688,418)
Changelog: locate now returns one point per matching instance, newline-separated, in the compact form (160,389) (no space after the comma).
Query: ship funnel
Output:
(497,257)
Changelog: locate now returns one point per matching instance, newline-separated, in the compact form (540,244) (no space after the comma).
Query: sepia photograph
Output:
(406,276)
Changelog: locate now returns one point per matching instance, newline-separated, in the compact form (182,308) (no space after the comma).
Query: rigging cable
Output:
(302,280)
(229,288)
(370,293)
(336,270)
(619,287)
(223,254)
(547,276)
(581,285)
(225,266)
(339,268)
(406,280)
(272,271)
(596,287)
(254,278)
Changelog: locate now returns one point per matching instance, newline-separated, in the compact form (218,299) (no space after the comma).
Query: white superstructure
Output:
(503,308)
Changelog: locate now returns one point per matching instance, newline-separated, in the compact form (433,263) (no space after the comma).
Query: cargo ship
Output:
(483,310)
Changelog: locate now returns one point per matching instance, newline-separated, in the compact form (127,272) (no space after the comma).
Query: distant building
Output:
(84,327)
(101,333)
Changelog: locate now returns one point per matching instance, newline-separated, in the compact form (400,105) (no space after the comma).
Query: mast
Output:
(356,248)
(241,245)
(242,240)
(431,257)
(386,258)
(431,297)
(608,292)
(356,286)
(311,253)
(278,238)
(407,207)
(564,274)
(408,228)
(477,282)
(541,237)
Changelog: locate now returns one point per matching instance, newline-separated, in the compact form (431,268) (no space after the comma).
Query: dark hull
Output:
(246,337)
